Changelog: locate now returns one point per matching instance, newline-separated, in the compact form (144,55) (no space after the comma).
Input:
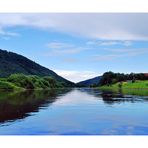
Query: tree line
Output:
(109,78)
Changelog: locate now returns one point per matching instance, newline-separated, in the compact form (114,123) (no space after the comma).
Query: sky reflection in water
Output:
(72,112)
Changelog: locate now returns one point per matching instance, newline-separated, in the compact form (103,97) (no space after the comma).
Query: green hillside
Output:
(12,63)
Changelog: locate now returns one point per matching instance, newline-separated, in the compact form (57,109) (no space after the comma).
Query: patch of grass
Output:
(136,85)
(137,88)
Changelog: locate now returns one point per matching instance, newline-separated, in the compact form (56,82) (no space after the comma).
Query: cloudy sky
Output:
(79,46)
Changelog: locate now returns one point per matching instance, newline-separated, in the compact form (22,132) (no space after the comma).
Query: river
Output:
(77,111)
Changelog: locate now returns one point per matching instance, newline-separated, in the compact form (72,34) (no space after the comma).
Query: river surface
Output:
(77,111)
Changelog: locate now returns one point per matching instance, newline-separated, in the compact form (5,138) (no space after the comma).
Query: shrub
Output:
(21,80)
(7,85)
(52,82)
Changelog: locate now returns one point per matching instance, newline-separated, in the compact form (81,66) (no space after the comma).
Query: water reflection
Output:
(70,111)
(18,105)
(120,96)
(111,97)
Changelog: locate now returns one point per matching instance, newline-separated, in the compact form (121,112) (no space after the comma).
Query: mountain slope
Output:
(11,63)
(89,82)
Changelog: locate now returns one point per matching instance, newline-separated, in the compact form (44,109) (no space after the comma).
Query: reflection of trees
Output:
(112,97)
(18,105)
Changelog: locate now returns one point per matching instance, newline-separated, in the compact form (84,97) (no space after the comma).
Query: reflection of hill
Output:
(18,105)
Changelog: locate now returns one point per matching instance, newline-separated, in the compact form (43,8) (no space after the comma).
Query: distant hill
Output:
(90,82)
(11,63)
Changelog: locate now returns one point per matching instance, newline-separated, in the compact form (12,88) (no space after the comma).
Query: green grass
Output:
(137,84)
(125,85)
(137,88)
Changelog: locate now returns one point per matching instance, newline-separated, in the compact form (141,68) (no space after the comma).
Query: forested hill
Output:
(90,82)
(11,63)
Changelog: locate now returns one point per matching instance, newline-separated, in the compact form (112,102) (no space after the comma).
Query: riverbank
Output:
(136,88)
(128,85)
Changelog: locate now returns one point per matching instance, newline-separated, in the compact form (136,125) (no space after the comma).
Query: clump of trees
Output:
(109,78)
(29,82)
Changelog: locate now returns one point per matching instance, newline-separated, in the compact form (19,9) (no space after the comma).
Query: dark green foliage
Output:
(33,82)
(7,86)
(12,63)
(21,80)
(50,81)
(39,82)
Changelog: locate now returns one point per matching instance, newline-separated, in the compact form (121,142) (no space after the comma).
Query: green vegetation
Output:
(110,78)
(22,82)
(138,84)
(137,88)
(8,86)
(133,84)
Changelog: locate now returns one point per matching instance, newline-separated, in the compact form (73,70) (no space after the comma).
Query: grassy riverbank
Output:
(128,85)
(136,88)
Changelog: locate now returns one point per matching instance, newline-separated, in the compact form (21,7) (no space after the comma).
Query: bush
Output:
(21,80)
(52,82)
(32,81)
(7,85)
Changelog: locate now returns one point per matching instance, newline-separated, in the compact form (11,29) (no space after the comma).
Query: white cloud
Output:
(106,57)
(7,34)
(76,76)
(66,51)
(120,53)
(63,52)
(59,45)
(62,48)
(110,43)
(105,26)
(127,50)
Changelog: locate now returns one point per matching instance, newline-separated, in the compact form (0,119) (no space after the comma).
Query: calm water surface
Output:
(73,112)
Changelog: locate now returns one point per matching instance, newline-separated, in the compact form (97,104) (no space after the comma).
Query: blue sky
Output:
(79,46)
